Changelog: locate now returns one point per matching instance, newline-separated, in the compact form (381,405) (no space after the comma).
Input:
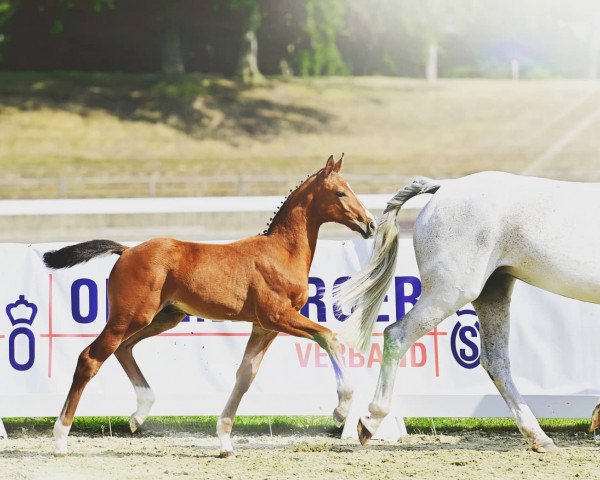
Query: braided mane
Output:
(280,206)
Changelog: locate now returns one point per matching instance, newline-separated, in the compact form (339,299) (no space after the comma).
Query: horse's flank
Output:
(542,231)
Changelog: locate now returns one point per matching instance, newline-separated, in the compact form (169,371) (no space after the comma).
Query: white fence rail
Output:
(98,206)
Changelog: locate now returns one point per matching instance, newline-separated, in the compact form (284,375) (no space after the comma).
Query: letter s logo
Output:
(464,349)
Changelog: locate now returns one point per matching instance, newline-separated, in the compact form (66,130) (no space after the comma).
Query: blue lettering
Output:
(316,300)
(337,310)
(402,297)
(188,318)
(383,317)
(464,350)
(466,340)
(31,348)
(76,300)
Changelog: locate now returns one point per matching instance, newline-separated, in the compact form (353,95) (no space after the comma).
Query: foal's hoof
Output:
(339,418)
(364,435)
(228,454)
(544,447)
(134,424)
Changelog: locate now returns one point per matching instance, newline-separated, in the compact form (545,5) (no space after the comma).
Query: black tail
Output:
(82,252)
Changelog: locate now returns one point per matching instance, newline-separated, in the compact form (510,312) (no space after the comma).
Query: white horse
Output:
(472,240)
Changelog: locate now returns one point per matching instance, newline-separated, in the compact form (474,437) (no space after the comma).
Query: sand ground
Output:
(464,455)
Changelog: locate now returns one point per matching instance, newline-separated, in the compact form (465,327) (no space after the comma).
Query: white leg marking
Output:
(345,400)
(61,433)
(224,436)
(145,400)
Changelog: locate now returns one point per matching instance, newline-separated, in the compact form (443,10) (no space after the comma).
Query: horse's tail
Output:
(82,252)
(366,289)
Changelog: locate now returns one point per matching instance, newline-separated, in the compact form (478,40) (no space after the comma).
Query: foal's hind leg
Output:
(164,320)
(492,308)
(90,360)
(258,344)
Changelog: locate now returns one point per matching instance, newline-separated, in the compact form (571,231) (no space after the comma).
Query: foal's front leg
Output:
(293,323)
(258,344)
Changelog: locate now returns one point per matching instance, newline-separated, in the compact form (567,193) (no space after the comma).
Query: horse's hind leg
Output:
(492,308)
(166,319)
(258,344)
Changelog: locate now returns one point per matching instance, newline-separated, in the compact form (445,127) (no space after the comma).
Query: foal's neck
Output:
(296,227)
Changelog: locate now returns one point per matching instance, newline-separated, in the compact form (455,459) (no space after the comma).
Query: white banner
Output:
(48,317)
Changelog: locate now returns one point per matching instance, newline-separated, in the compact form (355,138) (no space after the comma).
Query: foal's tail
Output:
(82,252)
(367,288)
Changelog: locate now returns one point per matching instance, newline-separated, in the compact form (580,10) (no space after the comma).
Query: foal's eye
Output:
(341,194)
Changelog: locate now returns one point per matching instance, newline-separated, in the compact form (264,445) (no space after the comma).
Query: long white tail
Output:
(366,290)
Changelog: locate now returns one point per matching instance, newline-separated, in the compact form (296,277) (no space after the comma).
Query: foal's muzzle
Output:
(368,229)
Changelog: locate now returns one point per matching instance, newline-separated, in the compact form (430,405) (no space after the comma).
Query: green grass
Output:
(278,425)
(83,124)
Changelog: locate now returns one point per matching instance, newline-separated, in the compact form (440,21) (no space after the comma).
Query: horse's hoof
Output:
(134,425)
(227,454)
(364,435)
(338,418)
(59,454)
(544,447)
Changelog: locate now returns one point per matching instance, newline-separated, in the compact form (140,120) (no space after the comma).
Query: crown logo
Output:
(21,311)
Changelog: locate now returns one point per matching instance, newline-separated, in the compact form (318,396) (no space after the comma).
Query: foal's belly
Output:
(208,311)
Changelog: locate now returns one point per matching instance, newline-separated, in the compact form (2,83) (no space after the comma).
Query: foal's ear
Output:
(329,166)
(339,164)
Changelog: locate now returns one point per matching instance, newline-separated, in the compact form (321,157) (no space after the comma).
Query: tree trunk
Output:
(431,69)
(172,58)
(248,63)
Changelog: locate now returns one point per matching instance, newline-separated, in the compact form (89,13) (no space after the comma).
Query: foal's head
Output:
(335,201)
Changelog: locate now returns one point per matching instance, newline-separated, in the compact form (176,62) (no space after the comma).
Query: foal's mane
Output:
(277,213)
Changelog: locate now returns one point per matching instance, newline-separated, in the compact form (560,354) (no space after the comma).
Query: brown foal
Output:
(155,284)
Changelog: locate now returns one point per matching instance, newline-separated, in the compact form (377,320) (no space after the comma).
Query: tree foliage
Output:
(7,10)
(248,55)
(324,21)
(306,37)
